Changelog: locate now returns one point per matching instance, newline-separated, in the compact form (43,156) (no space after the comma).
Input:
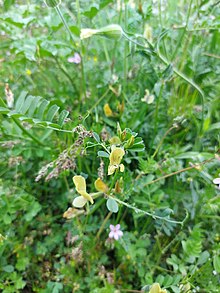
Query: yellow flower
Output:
(115,160)
(108,111)
(155,288)
(101,186)
(80,184)
(28,72)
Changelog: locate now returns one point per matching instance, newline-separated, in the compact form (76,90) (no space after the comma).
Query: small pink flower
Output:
(74,59)
(115,232)
(217,181)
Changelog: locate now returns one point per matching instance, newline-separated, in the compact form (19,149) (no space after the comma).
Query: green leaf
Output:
(42,109)
(20,101)
(26,105)
(112,205)
(4,110)
(34,105)
(52,112)
(96,137)
(216,263)
(63,115)
(103,154)
(8,269)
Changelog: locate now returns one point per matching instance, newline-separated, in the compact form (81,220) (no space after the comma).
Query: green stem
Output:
(137,210)
(176,71)
(103,225)
(2,104)
(64,22)
(161,142)
(183,33)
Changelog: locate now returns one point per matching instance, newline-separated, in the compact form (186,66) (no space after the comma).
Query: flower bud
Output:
(52,3)
(113,31)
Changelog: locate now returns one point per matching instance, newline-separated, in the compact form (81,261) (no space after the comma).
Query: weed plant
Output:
(109,146)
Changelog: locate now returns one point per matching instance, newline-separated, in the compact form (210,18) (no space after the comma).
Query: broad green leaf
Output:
(112,205)
(103,154)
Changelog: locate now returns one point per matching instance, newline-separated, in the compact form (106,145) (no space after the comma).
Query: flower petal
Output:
(117,227)
(120,233)
(108,111)
(112,227)
(116,156)
(79,202)
(216,181)
(111,169)
(100,185)
(122,167)
(116,236)
(111,234)
(80,184)
(155,288)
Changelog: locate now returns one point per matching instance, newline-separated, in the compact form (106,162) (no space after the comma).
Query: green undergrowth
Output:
(114,125)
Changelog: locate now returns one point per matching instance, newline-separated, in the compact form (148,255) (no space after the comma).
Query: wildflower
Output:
(101,186)
(28,72)
(217,181)
(108,111)
(71,213)
(115,232)
(113,31)
(9,96)
(115,160)
(76,58)
(84,197)
(155,288)
(147,97)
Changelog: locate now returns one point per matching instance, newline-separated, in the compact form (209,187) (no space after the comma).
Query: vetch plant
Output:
(115,160)
(80,184)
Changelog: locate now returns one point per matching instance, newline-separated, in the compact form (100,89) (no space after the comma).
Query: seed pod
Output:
(52,3)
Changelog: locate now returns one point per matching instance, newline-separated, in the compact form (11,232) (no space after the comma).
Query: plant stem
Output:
(17,122)
(103,225)
(166,133)
(137,210)
(195,166)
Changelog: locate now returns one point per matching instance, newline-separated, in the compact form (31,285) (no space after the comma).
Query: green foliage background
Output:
(58,103)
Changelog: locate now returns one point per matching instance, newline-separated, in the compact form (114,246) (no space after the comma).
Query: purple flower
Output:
(217,181)
(115,232)
(74,59)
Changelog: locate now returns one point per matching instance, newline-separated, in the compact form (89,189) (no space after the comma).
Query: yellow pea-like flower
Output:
(108,111)
(155,288)
(80,184)
(101,186)
(115,160)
